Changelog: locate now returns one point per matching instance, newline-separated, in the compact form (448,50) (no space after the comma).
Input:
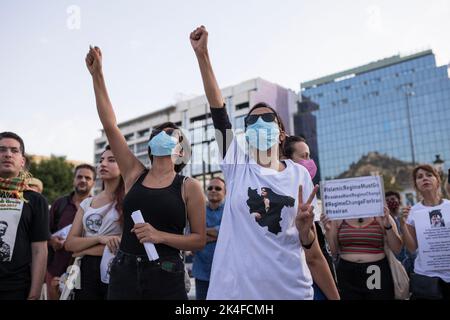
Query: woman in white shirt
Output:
(268,217)
(98,223)
(435,279)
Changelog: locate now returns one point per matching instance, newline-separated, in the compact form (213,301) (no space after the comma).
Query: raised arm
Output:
(408,231)
(222,124)
(130,166)
(199,42)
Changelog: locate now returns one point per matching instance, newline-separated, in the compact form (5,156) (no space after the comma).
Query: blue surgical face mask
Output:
(262,135)
(162,144)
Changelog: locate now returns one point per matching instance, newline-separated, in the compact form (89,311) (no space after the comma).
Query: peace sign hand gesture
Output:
(305,215)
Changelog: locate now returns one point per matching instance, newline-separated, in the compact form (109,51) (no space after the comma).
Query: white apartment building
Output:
(194,118)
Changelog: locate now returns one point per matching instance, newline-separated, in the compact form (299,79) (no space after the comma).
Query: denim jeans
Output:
(134,277)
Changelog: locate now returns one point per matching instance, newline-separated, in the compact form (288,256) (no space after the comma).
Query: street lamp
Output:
(408,116)
(438,164)
(406,89)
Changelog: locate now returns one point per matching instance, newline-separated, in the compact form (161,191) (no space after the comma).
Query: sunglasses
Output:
(252,118)
(215,188)
(171,132)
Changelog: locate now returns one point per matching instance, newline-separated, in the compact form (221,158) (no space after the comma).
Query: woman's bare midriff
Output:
(362,257)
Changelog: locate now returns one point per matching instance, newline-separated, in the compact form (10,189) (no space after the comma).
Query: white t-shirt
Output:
(419,266)
(258,253)
(103,221)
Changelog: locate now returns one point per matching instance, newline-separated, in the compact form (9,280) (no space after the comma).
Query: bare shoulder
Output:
(194,190)
(192,185)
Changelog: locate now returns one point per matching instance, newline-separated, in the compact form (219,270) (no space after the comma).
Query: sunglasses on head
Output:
(215,188)
(171,132)
(252,118)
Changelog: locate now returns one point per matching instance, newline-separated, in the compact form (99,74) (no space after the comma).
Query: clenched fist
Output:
(94,60)
(199,40)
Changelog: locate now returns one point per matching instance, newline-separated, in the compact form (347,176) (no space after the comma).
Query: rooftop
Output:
(363,69)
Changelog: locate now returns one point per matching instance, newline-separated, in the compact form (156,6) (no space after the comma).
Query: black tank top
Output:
(163,208)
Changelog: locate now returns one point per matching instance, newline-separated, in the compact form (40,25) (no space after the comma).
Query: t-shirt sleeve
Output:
(85,204)
(40,226)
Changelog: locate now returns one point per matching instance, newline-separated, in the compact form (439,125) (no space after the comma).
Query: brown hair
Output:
(427,168)
(119,193)
(289,143)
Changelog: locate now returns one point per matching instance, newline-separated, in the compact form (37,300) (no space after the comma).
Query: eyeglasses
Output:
(252,118)
(215,188)
(171,132)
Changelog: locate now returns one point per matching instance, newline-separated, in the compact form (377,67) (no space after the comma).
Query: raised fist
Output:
(94,60)
(199,40)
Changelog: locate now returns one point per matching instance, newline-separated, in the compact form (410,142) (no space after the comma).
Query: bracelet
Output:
(308,246)
(388,228)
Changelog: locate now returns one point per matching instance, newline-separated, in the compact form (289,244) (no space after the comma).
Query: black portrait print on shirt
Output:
(94,222)
(436,219)
(266,207)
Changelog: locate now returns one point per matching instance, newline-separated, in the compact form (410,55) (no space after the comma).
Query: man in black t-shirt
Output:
(25,213)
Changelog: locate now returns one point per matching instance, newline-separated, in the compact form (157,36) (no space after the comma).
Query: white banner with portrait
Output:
(433,237)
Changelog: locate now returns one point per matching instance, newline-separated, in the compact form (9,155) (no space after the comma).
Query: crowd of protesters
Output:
(253,235)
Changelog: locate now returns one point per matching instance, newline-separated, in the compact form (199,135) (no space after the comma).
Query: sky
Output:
(46,93)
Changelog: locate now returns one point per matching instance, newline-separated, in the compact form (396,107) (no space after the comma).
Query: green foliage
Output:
(56,175)
(391,184)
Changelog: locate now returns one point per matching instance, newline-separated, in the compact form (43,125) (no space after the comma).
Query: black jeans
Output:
(14,294)
(92,287)
(353,280)
(134,277)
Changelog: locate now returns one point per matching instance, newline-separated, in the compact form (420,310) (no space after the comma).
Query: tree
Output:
(391,184)
(56,174)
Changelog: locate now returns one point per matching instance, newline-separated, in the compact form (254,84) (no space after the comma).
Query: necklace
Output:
(360,220)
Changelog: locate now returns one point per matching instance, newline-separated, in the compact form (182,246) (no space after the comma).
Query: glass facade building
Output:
(399,106)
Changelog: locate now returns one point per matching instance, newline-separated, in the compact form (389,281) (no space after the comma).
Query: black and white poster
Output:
(10,213)
(433,236)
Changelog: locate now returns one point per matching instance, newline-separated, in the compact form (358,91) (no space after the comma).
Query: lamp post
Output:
(408,115)
(438,164)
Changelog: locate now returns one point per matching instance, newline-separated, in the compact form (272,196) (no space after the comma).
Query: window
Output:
(129,136)
(143,133)
(101,145)
(241,106)
(141,147)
